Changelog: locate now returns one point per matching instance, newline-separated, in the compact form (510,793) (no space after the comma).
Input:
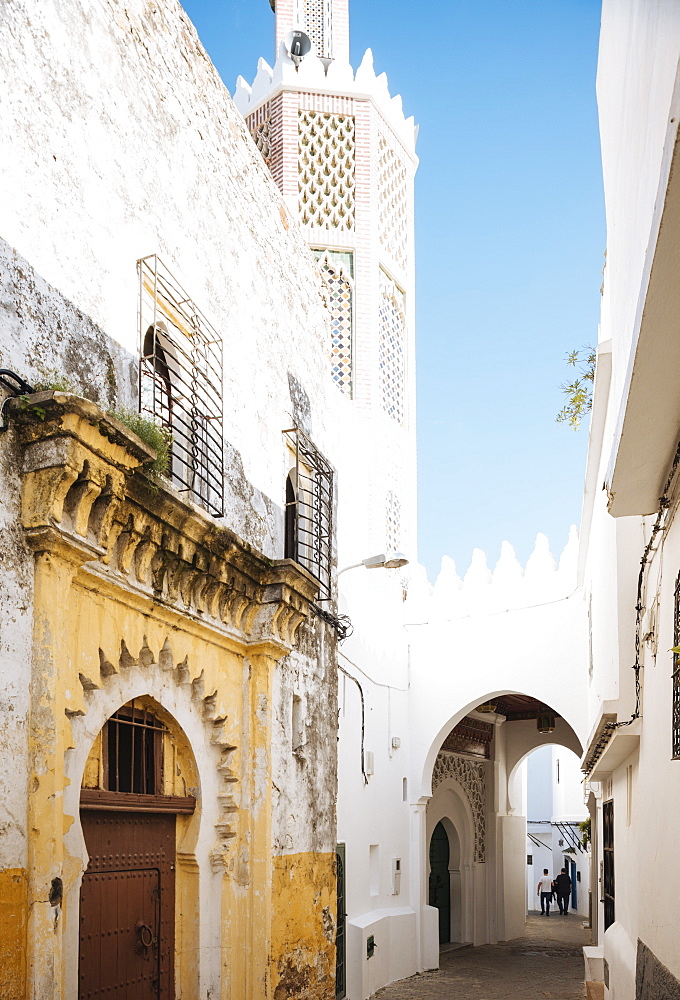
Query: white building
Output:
(419,661)
(631,541)
(343,155)
(554,809)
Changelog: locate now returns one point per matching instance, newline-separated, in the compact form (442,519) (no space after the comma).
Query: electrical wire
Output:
(492,614)
(363,719)
(663,521)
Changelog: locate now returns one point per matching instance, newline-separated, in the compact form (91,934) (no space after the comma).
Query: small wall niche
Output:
(374,869)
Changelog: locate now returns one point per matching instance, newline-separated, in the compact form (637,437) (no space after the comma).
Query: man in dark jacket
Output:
(563,890)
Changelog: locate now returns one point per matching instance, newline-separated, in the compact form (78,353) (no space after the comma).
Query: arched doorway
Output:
(129,808)
(440,881)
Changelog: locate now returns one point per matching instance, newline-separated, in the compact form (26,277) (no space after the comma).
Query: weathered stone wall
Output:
(119,140)
(653,981)
(44,336)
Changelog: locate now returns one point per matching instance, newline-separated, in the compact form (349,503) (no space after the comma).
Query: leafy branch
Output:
(579,393)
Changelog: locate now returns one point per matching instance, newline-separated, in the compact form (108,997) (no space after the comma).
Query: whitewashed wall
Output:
(120,140)
(633,436)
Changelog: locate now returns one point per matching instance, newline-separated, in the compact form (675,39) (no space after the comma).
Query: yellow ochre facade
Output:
(140,599)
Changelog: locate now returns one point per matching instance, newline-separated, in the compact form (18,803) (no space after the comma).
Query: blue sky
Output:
(509,241)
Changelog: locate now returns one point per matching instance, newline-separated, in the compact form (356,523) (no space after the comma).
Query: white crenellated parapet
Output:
(338,77)
(508,587)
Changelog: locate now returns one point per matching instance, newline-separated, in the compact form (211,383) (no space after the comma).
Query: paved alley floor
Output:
(545,964)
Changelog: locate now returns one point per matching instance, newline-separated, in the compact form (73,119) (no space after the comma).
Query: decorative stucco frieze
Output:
(471,776)
(83,492)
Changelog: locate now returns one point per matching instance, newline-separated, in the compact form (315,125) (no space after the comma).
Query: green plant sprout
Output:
(579,393)
(156,436)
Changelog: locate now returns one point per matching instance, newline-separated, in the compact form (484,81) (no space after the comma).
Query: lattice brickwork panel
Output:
(260,134)
(326,170)
(393,202)
(317,17)
(391,347)
(337,268)
(393,524)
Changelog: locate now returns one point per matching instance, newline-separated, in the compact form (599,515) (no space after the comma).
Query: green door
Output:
(340,971)
(440,887)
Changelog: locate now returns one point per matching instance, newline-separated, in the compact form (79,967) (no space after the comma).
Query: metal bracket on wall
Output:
(15,386)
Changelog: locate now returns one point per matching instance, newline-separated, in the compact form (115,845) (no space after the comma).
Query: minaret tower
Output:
(325,21)
(343,155)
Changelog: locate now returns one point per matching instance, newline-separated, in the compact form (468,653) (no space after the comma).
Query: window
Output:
(337,268)
(676,673)
(392,347)
(291,545)
(309,510)
(608,862)
(133,751)
(393,524)
(318,21)
(180,383)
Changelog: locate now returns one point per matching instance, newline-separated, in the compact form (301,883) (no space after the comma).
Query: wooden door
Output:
(440,880)
(127,904)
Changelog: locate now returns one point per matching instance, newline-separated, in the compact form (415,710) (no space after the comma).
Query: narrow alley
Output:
(546,963)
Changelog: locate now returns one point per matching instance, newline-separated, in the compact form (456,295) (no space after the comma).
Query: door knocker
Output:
(146,935)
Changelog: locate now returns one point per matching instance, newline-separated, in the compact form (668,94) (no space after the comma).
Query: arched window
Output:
(309,510)
(157,388)
(181,385)
(291,525)
(136,753)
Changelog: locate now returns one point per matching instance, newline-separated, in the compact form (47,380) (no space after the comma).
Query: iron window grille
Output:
(676,673)
(180,383)
(309,510)
(133,751)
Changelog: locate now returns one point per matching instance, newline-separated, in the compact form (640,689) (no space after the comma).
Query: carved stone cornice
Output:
(86,498)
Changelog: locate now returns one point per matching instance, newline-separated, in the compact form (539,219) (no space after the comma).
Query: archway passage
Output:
(127,897)
(475,818)
(440,881)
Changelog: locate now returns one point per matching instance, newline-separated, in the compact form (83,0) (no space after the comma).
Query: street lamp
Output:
(395,560)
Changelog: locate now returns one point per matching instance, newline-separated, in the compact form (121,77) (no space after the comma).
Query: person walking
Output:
(545,892)
(563,891)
